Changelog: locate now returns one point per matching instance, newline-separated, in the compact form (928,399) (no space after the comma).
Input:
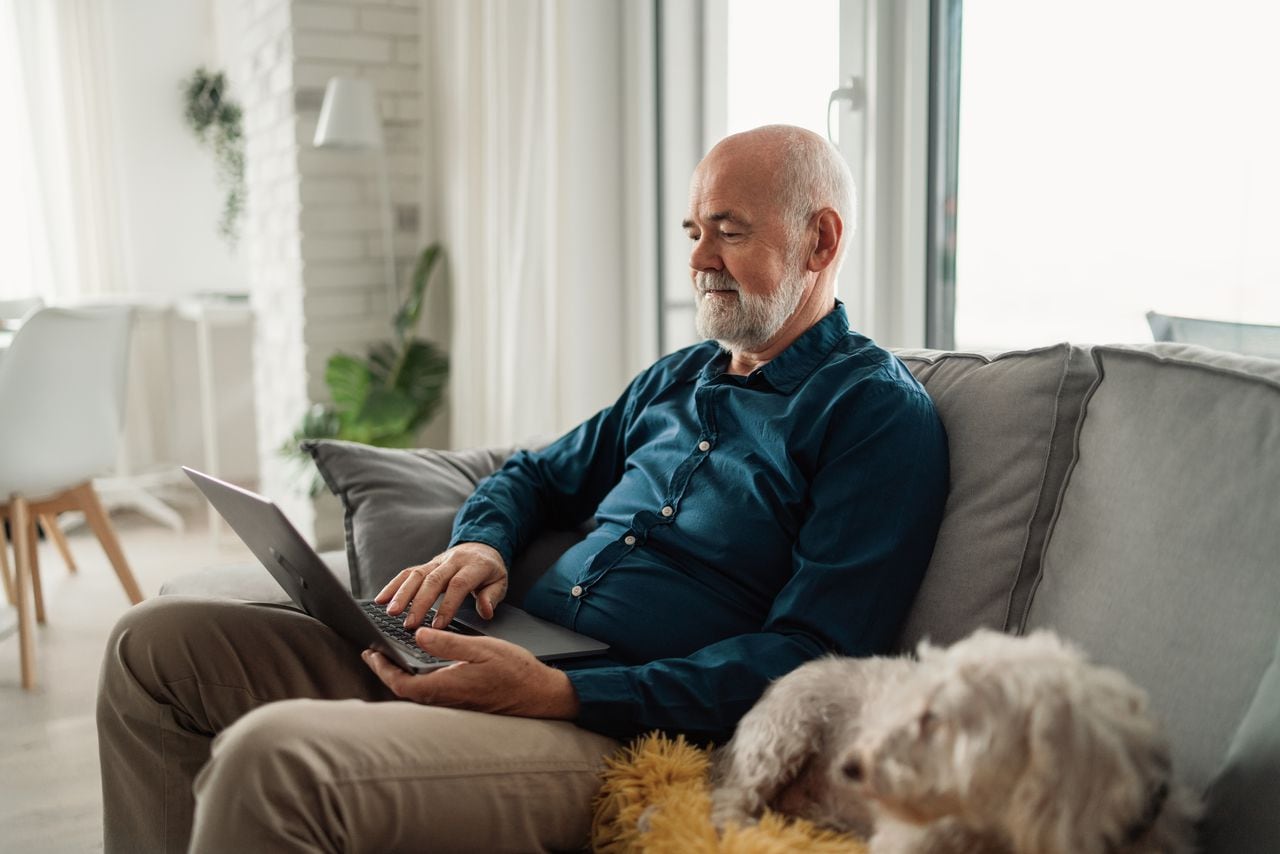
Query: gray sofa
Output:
(1127,497)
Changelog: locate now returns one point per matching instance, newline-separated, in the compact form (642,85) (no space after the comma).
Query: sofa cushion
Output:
(1162,559)
(398,504)
(1009,420)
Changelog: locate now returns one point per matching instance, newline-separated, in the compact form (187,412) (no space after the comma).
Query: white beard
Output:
(745,323)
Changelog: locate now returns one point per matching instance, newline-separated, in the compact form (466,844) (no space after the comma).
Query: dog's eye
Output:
(927,721)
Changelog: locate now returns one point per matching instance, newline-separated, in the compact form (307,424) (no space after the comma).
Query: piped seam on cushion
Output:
(1062,491)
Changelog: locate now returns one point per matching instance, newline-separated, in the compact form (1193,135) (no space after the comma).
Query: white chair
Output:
(12,313)
(17,309)
(62,386)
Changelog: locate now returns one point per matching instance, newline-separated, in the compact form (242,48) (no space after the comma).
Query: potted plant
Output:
(386,398)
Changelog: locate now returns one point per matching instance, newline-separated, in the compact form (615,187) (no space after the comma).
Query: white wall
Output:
(171,202)
(170,205)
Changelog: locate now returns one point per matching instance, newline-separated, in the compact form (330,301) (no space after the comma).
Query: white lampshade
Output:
(349,116)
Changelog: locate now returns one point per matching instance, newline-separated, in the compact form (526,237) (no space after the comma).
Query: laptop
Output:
(311,585)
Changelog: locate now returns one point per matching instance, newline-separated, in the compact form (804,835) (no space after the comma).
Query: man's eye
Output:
(730,234)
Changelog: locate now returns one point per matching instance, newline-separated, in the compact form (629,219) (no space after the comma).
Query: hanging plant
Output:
(217,122)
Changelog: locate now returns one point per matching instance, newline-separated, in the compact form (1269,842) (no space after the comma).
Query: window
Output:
(1115,158)
(782,60)
(761,62)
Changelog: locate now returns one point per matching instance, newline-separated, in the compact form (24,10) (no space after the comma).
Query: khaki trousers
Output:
(228,726)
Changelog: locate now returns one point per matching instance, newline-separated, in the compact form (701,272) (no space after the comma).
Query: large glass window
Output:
(1115,158)
(764,62)
(782,61)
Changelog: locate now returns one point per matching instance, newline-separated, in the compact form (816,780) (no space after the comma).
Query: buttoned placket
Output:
(644,522)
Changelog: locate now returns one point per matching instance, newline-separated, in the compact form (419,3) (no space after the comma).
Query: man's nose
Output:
(703,258)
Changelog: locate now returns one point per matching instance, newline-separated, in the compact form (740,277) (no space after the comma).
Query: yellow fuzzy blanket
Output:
(666,782)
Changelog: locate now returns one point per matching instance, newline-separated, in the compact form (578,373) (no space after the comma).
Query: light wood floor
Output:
(50,798)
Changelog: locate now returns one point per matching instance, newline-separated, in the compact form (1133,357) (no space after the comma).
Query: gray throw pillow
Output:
(1009,418)
(399,504)
(399,507)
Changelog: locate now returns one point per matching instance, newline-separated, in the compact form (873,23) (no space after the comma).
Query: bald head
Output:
(800,169)
(766,216)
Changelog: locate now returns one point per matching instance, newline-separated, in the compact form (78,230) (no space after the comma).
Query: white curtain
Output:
(59,218)
(527,189)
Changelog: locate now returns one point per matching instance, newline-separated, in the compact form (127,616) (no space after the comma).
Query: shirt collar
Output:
(790,367)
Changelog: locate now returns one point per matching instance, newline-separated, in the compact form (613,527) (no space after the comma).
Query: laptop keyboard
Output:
(394,630)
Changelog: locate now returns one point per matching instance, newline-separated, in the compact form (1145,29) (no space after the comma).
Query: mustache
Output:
(714,281)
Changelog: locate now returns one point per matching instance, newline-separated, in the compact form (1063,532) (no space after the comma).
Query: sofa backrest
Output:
(1150,536)
(1163,559)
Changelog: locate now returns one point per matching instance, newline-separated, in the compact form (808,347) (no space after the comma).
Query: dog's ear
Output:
(1089,768)
(1041,807)
(925,649)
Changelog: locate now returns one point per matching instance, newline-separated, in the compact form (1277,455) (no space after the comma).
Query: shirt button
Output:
(576,591)
(704,445)
(668,511)
(629,540)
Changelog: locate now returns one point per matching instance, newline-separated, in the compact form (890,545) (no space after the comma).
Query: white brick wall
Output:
(315,222)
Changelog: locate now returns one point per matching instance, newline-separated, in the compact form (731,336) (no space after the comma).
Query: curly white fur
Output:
(997,744)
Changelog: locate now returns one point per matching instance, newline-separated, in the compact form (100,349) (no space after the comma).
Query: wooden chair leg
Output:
(37,589)
(88,502)
(4,566)
(21,528)
(49,522)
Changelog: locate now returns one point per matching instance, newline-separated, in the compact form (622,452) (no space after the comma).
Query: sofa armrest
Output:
(248,582)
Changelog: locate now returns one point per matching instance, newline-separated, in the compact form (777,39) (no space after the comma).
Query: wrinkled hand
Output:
(467,568)
(489,675)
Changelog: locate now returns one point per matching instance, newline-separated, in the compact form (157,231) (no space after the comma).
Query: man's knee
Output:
(272,744)
(263,776)
(145,633)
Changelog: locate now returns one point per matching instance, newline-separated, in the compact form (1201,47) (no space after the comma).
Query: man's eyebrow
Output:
(717,216)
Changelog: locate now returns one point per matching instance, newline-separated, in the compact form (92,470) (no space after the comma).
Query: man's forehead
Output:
(730,186)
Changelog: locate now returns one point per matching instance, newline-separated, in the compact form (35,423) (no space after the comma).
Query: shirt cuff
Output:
(489,537)
(607,700)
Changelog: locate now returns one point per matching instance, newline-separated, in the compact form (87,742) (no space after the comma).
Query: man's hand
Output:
(490,675)
(466,568)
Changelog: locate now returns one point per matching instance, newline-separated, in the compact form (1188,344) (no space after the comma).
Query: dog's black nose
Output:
(853,769)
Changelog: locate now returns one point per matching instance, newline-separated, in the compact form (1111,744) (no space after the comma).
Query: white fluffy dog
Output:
(997,744)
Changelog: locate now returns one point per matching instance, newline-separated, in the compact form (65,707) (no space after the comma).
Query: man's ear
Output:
(830,229)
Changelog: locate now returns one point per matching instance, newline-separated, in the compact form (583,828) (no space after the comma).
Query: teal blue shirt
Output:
(744,525)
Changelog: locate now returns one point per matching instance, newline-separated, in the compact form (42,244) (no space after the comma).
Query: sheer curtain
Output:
(58,200)
(528,191)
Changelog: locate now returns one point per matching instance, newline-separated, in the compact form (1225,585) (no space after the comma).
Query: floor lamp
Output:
(349,121)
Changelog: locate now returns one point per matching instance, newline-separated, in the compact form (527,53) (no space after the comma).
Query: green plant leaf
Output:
(218,121)
(422,379)
(349,383)
(386,412)
(406,319)
(319,422)
(383,358)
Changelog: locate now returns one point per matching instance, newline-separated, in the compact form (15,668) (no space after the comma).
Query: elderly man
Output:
(761,500)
